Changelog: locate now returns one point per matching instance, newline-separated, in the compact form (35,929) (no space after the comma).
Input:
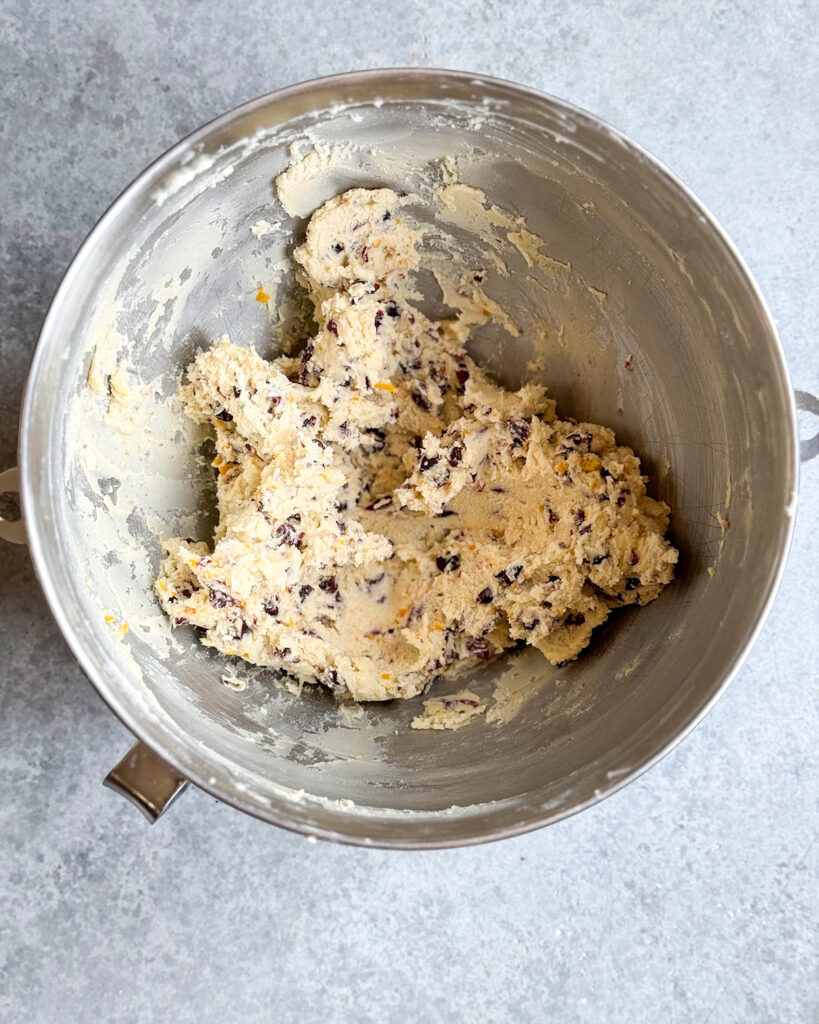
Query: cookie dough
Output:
(449,712)
(387,513)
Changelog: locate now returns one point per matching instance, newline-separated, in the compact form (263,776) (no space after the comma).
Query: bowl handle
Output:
(806,402)
(12,530)
(150,783)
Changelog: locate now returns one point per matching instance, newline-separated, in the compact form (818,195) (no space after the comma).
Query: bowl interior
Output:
(655,331)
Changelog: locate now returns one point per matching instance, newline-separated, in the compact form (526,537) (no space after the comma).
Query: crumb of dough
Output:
(119,414)
(450,712)
(97,379)
(387,513)
(233,681)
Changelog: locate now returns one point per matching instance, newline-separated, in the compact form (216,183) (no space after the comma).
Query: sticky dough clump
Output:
(387,513)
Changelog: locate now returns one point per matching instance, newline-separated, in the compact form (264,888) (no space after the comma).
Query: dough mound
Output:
(388,514)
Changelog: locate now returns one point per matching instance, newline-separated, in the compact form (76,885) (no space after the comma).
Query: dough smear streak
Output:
(388,514)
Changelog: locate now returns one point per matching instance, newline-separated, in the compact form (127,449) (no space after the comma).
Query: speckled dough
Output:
(387,514)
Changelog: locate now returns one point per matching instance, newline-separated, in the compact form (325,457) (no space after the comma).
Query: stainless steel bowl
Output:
(681,359)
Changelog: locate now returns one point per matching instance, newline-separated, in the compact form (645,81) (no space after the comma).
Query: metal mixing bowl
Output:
(681,358)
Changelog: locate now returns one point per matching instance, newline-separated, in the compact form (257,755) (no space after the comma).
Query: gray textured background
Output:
(689,896)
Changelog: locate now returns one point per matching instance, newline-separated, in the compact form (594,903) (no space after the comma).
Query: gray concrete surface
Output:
(689,896)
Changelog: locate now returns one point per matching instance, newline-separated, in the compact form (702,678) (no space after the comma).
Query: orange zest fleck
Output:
(403,611)
(123,629)
(110,618)
(384,385)
(590,463)
(562,466)
(386,675)
(261,295)
(189,610)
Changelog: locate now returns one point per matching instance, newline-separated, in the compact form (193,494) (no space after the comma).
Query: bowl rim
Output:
(37,526)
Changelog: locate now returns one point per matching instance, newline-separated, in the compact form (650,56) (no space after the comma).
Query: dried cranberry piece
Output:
(520,430)
(243,627)
(224,416)
(427,462)
(461,374)
(305,590)
(332,327)
(329,584)
(338,247)
(478,646)
(448,563)
(332,679)
(485,597)
(287,535)
(634,558)
(508,576)
(455,455)
(553,516)
(236,391)
(632,583)
(579,516)
(529,626)
(364,257)
(420,399)
(575,619)
(392,308)
(270,607)
(377,439)
(309,421)
(600,558)
(580,440)
(379,317)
